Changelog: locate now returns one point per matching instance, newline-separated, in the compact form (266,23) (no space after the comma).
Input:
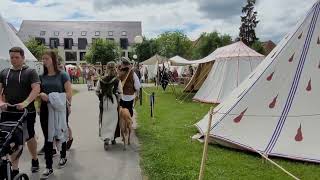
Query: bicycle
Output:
(9,130)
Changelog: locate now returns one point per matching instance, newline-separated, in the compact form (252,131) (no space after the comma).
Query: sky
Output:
(193,17)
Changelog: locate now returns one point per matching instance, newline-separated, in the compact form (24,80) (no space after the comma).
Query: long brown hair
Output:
(54,58)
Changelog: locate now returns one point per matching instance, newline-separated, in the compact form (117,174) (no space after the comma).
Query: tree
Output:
(174,43)
(257,46)
(146,49)
(248,23)
(36,48)
(208,42)
(103,51)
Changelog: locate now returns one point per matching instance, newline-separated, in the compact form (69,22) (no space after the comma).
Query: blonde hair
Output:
(111,69)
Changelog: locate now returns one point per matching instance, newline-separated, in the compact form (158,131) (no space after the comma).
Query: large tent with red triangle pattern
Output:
(276,109)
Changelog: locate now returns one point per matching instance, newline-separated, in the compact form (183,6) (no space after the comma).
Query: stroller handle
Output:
(24,109)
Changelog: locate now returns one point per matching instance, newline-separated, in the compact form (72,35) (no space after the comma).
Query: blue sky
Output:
(193,17)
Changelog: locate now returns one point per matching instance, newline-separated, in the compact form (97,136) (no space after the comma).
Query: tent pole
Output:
(205,147)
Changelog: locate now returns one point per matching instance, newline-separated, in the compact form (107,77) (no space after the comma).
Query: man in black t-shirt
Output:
(20,85)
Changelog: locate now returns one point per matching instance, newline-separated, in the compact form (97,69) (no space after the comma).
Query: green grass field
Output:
(167,151)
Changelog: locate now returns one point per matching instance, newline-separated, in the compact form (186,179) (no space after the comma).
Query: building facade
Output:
(73,38)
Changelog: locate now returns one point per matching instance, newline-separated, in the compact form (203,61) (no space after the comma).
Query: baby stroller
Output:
(11,131)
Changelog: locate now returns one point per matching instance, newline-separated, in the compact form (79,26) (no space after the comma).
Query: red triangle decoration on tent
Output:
(291,58)
(309,86)
(269,78)
(273,103)
(299,136)
(238,118)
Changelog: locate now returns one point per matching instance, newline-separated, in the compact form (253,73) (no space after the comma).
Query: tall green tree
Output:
(257,46)
(146,49)
(208,42)
(248,23)
(174,43)
(36,48)
(102,51)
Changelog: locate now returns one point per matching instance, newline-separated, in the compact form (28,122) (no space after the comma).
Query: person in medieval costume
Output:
(109,91)
(131,85)
(164,78)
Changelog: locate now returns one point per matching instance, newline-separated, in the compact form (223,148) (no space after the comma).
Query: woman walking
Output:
(55,93)
(109,91)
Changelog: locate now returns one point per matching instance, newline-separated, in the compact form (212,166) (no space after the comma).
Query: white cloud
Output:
(276,17)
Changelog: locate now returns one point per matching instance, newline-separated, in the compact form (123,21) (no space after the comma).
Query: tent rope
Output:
(252,115)
(263,155)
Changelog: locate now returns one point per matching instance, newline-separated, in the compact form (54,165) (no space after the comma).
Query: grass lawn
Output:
(167,151)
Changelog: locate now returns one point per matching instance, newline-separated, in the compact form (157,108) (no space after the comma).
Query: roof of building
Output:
(34,27)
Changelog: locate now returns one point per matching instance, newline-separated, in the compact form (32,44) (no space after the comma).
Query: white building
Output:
(73,38)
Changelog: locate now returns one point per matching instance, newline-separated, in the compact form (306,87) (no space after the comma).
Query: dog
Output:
(125,125)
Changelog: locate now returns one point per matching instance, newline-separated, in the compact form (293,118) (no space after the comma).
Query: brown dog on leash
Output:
(125,125)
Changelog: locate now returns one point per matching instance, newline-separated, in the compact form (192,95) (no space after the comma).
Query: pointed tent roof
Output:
(156,59)
(178,61)
(233,63)
(9,39)
(276,109)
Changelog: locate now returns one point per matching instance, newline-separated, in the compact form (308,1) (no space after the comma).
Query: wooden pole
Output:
(205,147)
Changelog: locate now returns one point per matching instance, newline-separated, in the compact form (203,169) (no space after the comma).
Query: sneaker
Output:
(34,166)
(62,162)
(41,152)
(106,144)
(46,173)
(69,143)
(113,142)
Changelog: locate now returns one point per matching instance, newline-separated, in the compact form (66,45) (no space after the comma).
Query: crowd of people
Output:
(21,86)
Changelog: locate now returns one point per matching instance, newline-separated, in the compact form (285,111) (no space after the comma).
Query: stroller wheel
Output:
(21,176)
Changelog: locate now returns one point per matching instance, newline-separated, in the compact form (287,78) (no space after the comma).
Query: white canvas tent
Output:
(178,61)
(233,63)
(276,109)
(9,39)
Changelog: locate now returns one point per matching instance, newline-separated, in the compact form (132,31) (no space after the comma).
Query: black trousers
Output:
(48,146)
(128,105)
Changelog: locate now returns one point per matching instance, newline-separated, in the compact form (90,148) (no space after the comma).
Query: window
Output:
(70,33)
(124,33)
(42,33)
(97,33)
(40,40)
(68,43)
(56,33)
(82,55)
(124,43)
(83,33)
(54,43)
(94,40)
(110,33)
(110,39)
(71,56)
(82,43)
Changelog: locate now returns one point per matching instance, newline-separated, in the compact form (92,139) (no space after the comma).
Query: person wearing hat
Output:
(131,84)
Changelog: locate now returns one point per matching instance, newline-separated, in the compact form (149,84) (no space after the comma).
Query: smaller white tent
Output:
(233,63)
(9,39)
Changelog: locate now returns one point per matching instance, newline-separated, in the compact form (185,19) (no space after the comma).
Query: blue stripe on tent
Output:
(310,11)
(295,83)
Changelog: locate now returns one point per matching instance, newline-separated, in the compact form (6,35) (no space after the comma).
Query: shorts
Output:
(28,123)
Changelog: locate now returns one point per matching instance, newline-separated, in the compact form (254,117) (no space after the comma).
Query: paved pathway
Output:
(87,159)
